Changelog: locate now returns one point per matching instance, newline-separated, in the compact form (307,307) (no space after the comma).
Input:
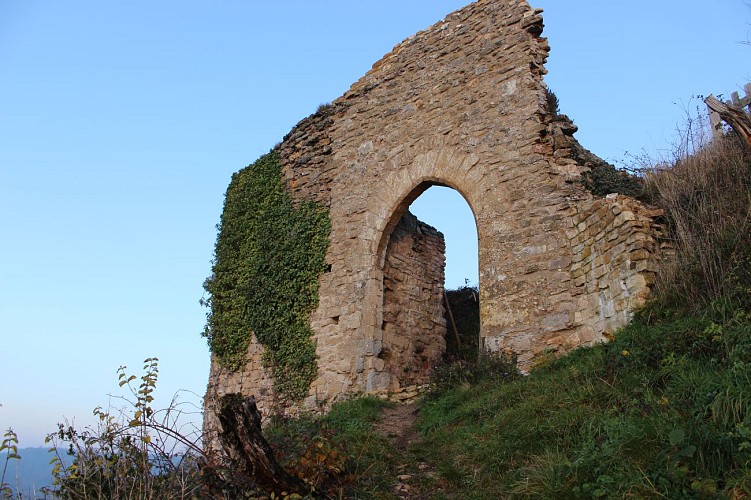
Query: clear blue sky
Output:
(121,123)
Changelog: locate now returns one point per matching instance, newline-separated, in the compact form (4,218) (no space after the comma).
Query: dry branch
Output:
(734,116)
(453,323)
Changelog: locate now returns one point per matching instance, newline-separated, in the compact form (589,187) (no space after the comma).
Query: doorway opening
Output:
(431,260)
(446,209)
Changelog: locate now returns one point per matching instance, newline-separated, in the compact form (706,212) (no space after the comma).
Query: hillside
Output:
(661,411)
(32,473)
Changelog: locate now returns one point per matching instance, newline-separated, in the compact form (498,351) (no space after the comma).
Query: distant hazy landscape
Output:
(32,472)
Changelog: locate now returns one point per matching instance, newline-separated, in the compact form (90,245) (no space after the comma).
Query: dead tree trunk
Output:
(733,116)
(251,457)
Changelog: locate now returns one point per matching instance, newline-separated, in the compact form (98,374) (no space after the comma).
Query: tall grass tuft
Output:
(706,194)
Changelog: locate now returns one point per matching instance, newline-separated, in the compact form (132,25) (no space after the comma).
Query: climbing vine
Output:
(268,257)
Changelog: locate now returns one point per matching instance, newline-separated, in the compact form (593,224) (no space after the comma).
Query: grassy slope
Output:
(662,411)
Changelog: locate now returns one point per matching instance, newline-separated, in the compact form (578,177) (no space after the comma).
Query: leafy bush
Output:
(603,179)
(134,452)
(552,105)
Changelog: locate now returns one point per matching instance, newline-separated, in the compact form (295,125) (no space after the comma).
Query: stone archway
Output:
(460,104)
(412,317)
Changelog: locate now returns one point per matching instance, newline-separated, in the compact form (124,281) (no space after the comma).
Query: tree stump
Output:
(251,458)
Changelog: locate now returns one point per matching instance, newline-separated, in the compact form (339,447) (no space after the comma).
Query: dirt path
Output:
(415,479)
(398,424)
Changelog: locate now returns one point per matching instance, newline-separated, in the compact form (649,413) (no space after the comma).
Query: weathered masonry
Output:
(461,104)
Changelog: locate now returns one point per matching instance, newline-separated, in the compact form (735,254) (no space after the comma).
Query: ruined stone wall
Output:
(412,339)
(615,244)
(413,326)
(460,104)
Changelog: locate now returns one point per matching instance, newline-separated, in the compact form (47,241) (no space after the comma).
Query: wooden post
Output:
(451,317)
(729,112)
(715,122)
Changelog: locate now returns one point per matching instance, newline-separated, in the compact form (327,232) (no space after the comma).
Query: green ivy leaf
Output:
(269,256)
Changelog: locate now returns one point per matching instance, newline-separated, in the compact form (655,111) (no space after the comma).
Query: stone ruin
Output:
(461,104)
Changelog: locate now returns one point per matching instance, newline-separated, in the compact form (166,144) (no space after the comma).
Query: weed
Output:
(9,447)
(491,367)
(134,452)
(705,190)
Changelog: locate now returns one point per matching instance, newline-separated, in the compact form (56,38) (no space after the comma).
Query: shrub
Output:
(603,179)
(134,452)
(552,105)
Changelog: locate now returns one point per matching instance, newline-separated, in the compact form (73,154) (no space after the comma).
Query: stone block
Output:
(636,283)
(557,321)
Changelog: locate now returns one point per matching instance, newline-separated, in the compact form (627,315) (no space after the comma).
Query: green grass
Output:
(662,411)
(340,453)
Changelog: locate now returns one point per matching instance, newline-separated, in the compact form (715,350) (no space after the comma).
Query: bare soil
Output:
(415,479)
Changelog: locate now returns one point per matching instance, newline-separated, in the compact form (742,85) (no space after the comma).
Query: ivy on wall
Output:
(269,255)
